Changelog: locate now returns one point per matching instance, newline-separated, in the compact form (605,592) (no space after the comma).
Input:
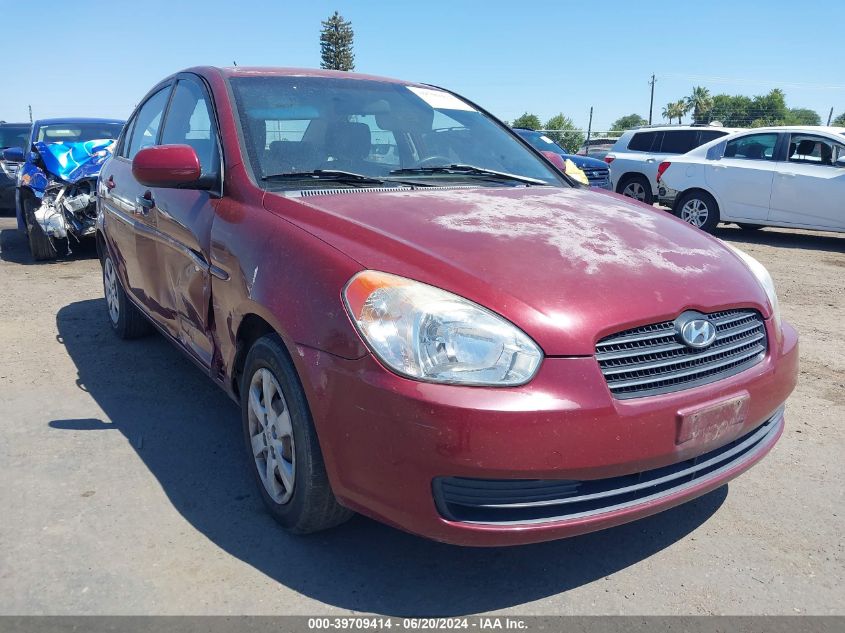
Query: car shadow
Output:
(784,238)
(187,432)
(14,249)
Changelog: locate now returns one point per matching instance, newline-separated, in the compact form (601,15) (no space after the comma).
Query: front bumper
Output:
(388,441)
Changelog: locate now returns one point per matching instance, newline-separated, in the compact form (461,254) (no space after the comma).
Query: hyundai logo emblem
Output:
(695,330)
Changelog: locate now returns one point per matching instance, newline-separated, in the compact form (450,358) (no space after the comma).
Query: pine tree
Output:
(336,44)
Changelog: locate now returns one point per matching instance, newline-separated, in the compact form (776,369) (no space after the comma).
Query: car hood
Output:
(568,266)
(585,162)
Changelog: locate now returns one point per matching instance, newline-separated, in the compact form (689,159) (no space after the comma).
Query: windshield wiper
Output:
(469,169)
(335,175)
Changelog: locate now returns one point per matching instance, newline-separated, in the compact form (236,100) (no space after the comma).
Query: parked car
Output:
(56,181)
(781,176)
(596,171)
(598,147)
(636,155)
(459,343)
(11,135)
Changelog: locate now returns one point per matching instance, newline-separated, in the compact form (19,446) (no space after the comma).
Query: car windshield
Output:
(541,142)
(77,132)
(302,130)
(13,135)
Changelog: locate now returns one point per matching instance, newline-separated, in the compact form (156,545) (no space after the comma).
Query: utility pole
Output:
(589,129)
(30,113)
(830,116)
(651,102)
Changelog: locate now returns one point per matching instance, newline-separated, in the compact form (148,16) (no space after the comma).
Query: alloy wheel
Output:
(695,212)
(634,190)
(271,435)
(110,287)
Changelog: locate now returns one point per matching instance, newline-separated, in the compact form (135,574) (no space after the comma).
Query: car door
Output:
(741,178)
(183,221)
(809,186)
(130,225)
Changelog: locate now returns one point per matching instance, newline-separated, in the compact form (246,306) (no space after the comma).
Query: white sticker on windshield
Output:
(546,139)
(439,99)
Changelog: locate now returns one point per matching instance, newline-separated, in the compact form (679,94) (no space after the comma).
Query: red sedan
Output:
(423,321)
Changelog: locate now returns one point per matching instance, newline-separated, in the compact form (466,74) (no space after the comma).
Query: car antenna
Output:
(234,63)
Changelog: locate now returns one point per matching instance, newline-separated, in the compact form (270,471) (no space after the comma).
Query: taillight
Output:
(609,159)
(662,168)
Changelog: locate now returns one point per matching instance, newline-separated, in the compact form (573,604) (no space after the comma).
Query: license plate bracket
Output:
(706,423)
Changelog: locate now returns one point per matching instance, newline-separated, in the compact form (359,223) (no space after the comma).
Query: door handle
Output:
(787,174)
(110,183)
(144,203)
(650,160)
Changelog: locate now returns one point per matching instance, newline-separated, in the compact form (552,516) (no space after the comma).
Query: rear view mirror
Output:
(168,166)
(13,154)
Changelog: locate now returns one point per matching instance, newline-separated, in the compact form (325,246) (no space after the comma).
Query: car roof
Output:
(77,119)
(798,128)
(274,71)
(663,128)
(13,124)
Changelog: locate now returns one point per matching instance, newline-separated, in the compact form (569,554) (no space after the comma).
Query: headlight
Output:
(429,334)
(765,280)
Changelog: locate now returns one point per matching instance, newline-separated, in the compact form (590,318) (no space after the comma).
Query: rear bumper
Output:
(666,196)
(389,441)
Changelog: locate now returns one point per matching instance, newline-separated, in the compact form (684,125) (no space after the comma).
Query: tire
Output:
(636,187)
(749,227)
(294,486)
(40,245)
(125,319)
(698,208)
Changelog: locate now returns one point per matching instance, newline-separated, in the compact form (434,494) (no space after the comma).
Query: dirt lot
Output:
(125,488)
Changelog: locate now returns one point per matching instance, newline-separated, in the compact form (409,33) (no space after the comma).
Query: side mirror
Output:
(840,162)
(168,166)
(13,154)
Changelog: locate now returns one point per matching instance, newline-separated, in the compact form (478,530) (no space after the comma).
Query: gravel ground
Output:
(126,490)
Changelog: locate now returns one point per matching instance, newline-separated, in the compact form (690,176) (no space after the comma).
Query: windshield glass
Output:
(77,132)
(540,141)
(298,125)
(14,135)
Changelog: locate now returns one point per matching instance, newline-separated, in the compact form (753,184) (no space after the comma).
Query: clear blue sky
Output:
(98,58)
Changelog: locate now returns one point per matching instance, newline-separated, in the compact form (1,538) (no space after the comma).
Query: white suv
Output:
(634,158)
(778,176)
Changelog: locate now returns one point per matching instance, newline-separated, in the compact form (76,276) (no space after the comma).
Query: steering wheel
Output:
(434,161)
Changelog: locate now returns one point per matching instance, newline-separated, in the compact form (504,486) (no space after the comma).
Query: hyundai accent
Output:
(422,320)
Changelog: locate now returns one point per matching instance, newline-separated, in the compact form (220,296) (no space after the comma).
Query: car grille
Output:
(597,175)
(514,501)
(650,359)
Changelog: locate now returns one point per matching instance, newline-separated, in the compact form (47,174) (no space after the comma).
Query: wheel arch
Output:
(689,190)
(621,181)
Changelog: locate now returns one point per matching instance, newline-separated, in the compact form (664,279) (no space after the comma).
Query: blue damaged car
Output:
(55,198)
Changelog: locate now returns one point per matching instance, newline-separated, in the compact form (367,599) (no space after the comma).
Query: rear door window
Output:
(678,141)
(642,141)
(705,136)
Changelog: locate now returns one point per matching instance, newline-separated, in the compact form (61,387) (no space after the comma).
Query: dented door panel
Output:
(183,222)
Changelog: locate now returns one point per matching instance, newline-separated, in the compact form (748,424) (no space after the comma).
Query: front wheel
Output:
(41,246)
(284,453)
(698,208)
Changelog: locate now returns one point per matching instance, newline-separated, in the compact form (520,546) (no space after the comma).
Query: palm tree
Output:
(700,102)
(675,110)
